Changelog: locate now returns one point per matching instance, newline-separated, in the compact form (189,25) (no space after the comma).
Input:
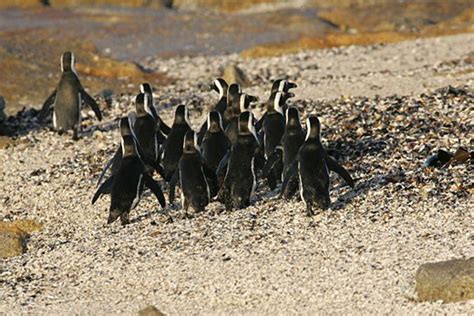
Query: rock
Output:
(449,281)
(150,310)
(14,236)
(232,74)
(155,4)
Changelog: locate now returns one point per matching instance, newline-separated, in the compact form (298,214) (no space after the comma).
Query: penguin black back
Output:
(173,147)
(215,143)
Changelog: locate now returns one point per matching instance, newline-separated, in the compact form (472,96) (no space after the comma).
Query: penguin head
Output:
(214,122)
(124,125)
(129,147)
(190,144)
(141,104)
(245,100)
(313,127)
(68,62)
(278,100)
(246,124)
(220,86)
(282,85)
(146,88)
(181,115)
(293,117)
(232,91)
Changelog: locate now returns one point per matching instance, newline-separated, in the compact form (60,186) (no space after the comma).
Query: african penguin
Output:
(240,103)
(196,179)
(67,99)
(232,93)
(147,89)
(291,141)
(215,143)
(173,147)
(220,86)
(126,186)
(240,179)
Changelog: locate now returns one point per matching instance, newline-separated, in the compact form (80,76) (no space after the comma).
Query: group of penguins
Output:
(221,160)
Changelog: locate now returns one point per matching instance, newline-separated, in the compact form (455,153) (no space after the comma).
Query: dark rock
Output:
(449,281)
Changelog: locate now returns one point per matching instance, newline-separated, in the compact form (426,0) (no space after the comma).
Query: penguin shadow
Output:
(102,127)
(362,187)
(22,123)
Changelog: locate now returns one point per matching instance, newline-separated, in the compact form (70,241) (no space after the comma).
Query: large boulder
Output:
(448,281)
(14,236)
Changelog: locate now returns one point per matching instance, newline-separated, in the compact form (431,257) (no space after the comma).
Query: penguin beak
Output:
(290,95)
(252,98)
(213,87)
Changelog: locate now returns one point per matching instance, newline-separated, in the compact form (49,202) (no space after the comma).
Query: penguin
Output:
(312,170)
(240,178)
(279,85)
(173,147)
(240,103)
(126,186)
(164,129)
(273,128)
(220,86)
(233,93)
(145,129)
(291,141)
(196,179)
(114,163)
(67,99)
(215,143)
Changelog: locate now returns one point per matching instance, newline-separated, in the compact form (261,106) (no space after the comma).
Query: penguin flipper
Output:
(340,170)
(274,158)
(174,180)
(223,164)
(160,138)
(45,108)
(288,176)
(107,166)
(104,188)
(155,188)
(91,102)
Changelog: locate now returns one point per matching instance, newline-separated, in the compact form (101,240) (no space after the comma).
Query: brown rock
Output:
(150,310)
(233,73)
(14,235)
(156,4)
(449,281)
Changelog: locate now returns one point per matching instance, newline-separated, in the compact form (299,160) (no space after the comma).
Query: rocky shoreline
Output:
(360,256)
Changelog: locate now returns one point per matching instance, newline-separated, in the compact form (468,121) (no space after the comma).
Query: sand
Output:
(358,257)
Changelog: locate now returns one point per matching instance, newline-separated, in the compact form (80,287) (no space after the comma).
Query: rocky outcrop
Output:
(233,73)
(449,281)
(14,236)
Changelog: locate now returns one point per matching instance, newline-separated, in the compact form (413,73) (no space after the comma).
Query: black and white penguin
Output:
(197,181)
(291,141)
(240,103)
(173,147)
(215,143)
(240,178)
(148,90)
(67,99)
(233,93)
(220,86)
(273,128)
(311,168)
(126,186)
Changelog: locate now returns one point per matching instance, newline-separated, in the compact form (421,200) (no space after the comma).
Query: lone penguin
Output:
(126,186)
(67,99)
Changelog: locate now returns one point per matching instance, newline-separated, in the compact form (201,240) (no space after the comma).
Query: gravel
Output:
(360,256)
